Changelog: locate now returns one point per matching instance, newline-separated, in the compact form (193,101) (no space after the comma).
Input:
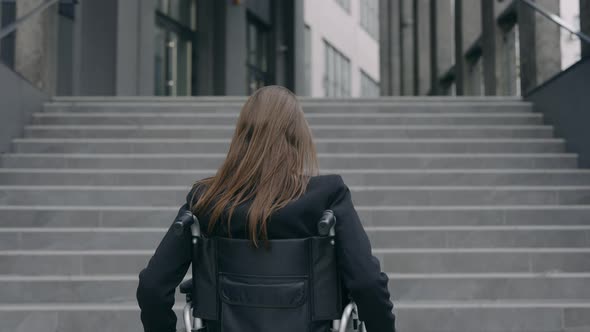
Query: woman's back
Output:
(298,219)
(268,188)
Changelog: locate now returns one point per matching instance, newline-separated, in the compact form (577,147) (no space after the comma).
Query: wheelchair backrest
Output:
(285,287)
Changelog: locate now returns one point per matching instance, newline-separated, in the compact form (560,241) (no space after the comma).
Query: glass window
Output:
(337,73)
(7,44)
(370,17)
(174,38)
(258,52)
(369,87)
(183,11)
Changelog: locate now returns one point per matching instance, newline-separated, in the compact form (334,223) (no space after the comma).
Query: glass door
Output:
(175,37)
(258,38)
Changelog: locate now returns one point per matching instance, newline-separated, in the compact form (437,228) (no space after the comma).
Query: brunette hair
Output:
(270,160)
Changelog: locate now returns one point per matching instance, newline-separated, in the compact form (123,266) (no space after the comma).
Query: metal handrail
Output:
(13,26)
(557,20)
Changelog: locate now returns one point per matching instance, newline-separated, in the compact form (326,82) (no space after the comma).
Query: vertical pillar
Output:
(407,47)
(205,48)
(422,47)
(471,22)
(585,25)
(491,43)
(526,33)
(35,55)
(441,37)
(460,63)
(548,41)
(540,47)
(210,48)
(236,51)
(95,57)
(297,49)
(389,41)
(128,47)
(146,47)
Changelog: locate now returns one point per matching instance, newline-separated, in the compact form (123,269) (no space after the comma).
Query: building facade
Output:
(161,47)
(342,48)
(477,47)
(196,47)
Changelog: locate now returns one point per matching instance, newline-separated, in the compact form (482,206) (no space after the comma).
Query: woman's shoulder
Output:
(195,191)
(331,179)
(331,184)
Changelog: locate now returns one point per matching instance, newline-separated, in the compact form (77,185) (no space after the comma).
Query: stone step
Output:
(422,316)
(144,238)
(154,216)
(319,131)
(361,195)
(308,106)
(408,177)
(326,160)
(430,287)
(174,118)
(352,145)
(302,99)
(414,260)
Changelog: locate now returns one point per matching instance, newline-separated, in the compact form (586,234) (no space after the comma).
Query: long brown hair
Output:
(270,160)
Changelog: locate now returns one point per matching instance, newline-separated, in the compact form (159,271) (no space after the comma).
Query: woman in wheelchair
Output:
(274,246)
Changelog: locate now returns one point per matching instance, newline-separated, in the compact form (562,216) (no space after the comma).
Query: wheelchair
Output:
(292,286)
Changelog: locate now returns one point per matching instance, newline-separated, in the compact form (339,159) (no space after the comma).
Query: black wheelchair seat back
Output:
(285,287)
(289,285)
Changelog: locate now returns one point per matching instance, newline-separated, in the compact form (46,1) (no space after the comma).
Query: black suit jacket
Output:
(360,270)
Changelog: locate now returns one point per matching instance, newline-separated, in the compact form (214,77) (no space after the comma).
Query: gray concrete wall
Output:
(389,50)
(297,50)
(422,46)
(135,47)
(460,29)
(279,38)
(95,57)
(36,46)
(471,20)
(564,103)
(540,56)
(65,56)
(492,47)
(442,48)
(236,51)
(407,47)
(18,99)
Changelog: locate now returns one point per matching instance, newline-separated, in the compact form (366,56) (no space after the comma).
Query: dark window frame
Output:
(260,70)
(186,33)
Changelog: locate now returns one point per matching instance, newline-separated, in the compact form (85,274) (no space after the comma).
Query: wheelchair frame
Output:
(325,228)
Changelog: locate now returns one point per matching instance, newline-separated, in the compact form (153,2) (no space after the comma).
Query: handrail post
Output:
(540,44)
(557,19)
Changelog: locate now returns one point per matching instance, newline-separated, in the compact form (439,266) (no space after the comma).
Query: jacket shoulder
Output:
(331,184)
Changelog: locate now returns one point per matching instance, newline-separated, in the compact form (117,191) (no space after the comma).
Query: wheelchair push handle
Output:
(326,223)
(183,222)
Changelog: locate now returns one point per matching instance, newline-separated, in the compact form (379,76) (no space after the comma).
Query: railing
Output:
(517,68)
(557,20)
(30,42)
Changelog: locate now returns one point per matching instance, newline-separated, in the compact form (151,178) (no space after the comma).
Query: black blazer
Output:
(360,270)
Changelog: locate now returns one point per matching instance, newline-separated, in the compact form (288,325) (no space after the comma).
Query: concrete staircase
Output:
(473,207)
